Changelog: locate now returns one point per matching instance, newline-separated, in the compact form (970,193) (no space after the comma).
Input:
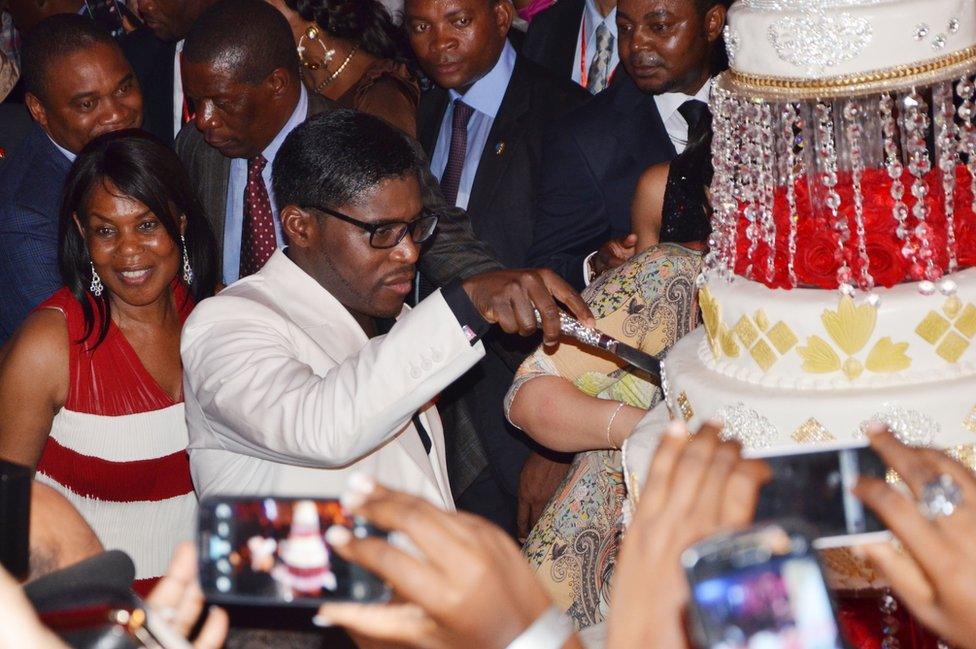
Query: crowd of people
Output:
(274,248)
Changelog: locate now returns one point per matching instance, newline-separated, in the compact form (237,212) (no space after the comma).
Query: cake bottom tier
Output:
(936,413)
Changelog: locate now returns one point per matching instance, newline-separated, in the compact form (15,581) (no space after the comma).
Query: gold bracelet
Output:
(610,424)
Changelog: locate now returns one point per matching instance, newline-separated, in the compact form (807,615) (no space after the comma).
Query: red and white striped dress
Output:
(117,449)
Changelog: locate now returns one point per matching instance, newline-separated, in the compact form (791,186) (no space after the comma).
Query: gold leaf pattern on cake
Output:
(719,337)
(951,331)
(886,357)
(684,405)
(762,321)
(812,432)
(818,356)
(850,326)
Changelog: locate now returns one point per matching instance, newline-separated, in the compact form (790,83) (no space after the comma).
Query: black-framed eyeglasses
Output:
(391,233)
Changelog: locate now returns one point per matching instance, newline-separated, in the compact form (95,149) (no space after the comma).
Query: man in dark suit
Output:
(154,52)
(597,153)
(489,166)
(241,71)
(79,86)
(576,39)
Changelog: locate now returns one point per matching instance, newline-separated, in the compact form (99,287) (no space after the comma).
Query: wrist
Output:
(552,629)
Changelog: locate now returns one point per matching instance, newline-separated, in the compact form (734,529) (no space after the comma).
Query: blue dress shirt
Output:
(592,18)
(485,97)
(234,218)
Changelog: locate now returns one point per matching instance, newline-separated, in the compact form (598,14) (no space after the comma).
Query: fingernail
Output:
(677,429)
(358,489)
(321,621)
(361,483)
(875,428)
(337,536)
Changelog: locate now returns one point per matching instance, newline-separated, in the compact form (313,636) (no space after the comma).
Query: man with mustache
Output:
(670,50)
(481,125)
(79,85)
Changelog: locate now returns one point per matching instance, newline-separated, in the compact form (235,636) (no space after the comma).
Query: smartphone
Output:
(107,14)
(15,501)
(272,552)
(761,587)
(814,486)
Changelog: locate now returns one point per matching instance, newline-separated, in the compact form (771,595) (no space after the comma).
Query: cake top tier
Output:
(825,43)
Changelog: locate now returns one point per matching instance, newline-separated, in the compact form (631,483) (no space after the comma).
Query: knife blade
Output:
(576,330)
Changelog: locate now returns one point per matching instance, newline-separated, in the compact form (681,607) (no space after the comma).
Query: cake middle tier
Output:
(815,339)
(939,413)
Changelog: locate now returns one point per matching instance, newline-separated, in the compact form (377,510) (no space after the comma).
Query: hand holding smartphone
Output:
(273,552)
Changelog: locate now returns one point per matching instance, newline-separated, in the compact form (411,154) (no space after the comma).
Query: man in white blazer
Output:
(289,381)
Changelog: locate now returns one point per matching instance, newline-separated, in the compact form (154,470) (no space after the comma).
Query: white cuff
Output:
(550,631)
(587,273)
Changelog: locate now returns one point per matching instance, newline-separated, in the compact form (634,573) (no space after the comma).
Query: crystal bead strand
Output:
(916,120)
(852,127)
(827,152)
(736,136)
(751,172)
(948,152)
(967,139)
(723,203)
(889,620)
(767,183)
(790,117)
(895,168)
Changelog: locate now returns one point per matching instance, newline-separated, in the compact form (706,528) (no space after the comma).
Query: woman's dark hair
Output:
(142,168)
(366,22)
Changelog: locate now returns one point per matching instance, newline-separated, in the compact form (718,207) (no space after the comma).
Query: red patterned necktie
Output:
(258,237)
(451,178)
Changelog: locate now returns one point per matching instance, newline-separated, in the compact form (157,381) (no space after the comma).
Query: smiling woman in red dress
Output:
(91,385)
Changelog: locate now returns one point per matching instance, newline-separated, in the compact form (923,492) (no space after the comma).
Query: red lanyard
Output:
(583,70)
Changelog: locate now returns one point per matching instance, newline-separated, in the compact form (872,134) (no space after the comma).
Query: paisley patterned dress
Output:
(648,303)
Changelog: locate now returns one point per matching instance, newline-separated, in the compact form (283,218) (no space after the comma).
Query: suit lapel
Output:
(566,33)
(501,139)
(430,114)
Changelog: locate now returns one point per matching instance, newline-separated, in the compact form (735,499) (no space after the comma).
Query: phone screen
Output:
(781,603)
(816,488)
(273,551)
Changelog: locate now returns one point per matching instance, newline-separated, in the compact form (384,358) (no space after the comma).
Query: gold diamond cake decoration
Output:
(951,331)
(766,343)
(812,432)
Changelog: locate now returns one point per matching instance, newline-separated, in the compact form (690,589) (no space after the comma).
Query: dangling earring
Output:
(187,271)
(312,33)
(96,287)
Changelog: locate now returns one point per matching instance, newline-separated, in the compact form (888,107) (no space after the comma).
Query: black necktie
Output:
(383,326)
(699,119)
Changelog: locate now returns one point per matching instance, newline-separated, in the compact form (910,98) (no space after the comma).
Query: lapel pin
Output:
(500,148)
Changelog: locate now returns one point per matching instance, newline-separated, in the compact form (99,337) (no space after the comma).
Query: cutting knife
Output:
(576,330)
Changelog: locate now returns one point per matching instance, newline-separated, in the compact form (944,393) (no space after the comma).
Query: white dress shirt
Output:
(178,87)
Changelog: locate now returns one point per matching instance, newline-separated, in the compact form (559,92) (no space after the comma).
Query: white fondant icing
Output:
(900,311)
(840,412)
(808,39)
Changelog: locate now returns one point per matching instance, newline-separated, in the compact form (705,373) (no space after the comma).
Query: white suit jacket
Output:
(285,395)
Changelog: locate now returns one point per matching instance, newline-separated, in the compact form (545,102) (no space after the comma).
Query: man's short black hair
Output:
(54,38)
(248,36)
(334,158)
(705,5)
